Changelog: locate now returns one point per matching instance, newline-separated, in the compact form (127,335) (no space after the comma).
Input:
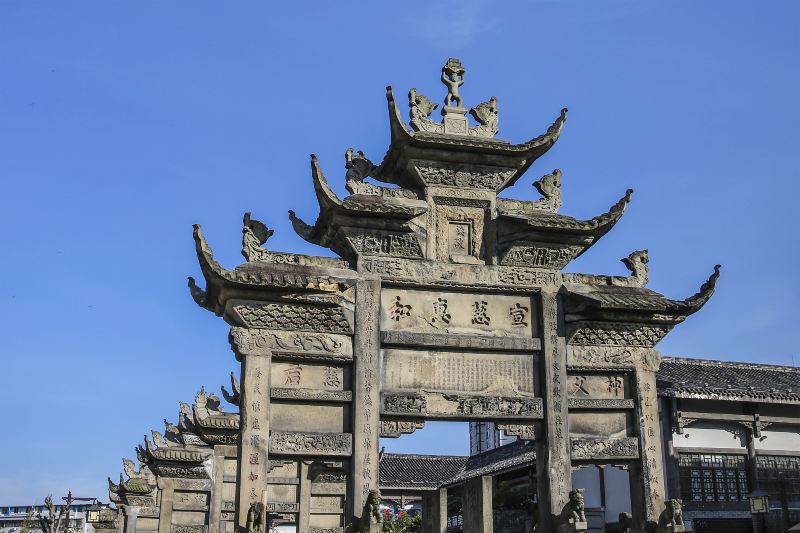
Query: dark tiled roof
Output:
(722,380)
(421,472)
(509,457)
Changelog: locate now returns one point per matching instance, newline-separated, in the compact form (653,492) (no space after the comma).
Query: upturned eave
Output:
(541,226)
(633,304)
(221,283)
(407,145)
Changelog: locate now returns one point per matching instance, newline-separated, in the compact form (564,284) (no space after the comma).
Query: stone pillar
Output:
(131,514)
(477,507)
(217,479)
(304,513)
(254,404)
(553,463)
(366,397)
(650,471)
(434,511)
(165,512)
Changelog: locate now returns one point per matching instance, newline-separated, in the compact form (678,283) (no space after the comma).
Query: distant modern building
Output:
(16,518)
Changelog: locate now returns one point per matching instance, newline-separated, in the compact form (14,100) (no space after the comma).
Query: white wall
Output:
(709,434)
(779,439)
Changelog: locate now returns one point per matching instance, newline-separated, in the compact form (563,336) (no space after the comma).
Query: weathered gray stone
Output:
(446,302)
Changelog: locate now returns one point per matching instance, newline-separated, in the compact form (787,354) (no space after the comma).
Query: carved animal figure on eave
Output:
(232,398)
(549,186)
(420,108)
(637,262)
(486,115)
(255,235)
(358,168)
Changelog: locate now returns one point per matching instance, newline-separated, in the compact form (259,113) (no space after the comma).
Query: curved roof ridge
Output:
(742,364)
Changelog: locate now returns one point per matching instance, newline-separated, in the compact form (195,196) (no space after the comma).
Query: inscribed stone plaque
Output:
(508,374)
(309,376)
(598,386)
(456,313)
(459,237)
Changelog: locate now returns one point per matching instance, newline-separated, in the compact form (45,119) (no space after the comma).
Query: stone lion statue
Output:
(626,523)
(671,518)
(574,512)
(371,517)
(255,518)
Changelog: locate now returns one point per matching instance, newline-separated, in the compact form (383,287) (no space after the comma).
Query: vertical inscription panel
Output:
(366,401)
(457,313)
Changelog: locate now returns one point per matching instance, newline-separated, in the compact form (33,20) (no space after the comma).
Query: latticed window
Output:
(712,477)
(777,473)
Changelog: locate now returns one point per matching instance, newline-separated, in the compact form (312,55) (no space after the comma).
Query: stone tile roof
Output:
(418,472)
(722,380)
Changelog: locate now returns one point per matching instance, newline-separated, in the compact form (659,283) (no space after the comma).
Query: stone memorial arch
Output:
(447,302)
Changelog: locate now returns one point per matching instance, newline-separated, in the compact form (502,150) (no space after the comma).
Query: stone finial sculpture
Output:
(486,115)
(453,78)
(255,235)
(371,517)
(420,108)
(573,515)
(255,518)
(232,397)
(636,262)
(671,518)
(549,186)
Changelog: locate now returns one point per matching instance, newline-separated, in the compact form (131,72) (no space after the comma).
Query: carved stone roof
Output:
(407,145)
(588,300)
(269,276)
(722,380)
(520,222)
(356,210)
(418,472)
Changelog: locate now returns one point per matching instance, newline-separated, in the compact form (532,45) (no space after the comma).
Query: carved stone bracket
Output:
(392,429)
(523,431)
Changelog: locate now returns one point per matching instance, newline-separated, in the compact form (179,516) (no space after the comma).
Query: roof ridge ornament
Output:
(549,186)
(454,121)
(637,262)
(255,235)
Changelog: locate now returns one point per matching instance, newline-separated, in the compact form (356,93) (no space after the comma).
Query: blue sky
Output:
(122,123)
